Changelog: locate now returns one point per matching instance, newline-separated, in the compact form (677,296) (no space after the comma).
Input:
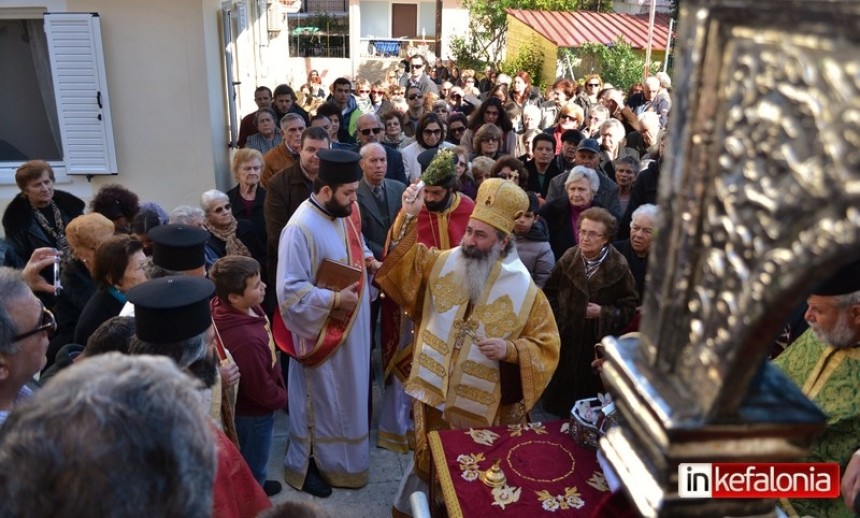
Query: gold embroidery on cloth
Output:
(469,466)
(516,430)
(447,292)
(485,437)
(485,372)
(498,317)
(570,499)
(598,481)
(506,495)
(428,363)
(553,445)
(435,342)
(475,394)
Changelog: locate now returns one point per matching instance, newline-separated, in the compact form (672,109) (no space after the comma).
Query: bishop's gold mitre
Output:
(499,203)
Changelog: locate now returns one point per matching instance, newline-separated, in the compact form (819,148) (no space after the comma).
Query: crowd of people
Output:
(525,242)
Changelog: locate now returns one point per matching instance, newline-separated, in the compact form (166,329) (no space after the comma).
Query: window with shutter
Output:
(55,100)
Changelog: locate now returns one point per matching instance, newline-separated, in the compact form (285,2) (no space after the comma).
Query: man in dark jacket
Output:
(289,189)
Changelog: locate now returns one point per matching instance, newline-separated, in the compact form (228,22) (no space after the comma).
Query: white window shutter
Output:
(80,87)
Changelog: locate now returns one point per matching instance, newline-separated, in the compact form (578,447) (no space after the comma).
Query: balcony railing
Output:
(373,47)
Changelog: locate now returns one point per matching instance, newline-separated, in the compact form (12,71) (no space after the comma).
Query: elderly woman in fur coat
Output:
(592,294)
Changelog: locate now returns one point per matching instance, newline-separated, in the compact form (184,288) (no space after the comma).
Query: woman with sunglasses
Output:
(228,235)
(314,85)
(588,97)
(429,134)
(570,116)
(492,111)
(457,125)
(379,98)
(118,266)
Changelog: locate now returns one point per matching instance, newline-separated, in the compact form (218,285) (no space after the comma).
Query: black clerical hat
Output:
(338,166)
(846,280)
(178,247)
(171,309)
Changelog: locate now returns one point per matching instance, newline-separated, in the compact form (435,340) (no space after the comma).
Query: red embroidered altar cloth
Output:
(547,473)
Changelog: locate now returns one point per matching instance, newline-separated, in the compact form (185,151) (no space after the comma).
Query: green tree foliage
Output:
(488,24)
(529,57)
(618,64)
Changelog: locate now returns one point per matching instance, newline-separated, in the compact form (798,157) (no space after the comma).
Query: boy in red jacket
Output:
(243,329)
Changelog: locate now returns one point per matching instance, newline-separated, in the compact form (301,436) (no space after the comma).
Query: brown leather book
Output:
(335,275)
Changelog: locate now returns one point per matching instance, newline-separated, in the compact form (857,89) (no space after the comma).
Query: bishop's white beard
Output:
(473,268)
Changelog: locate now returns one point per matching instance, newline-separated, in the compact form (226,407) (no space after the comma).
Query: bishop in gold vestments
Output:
(486,341)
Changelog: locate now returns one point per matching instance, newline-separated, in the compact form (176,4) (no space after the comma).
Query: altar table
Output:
(547,473)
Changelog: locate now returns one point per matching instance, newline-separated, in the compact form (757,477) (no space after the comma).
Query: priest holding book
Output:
(328,331)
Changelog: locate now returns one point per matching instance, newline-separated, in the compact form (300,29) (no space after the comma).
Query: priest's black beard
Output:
(439,206)
(336,209)
(205,369)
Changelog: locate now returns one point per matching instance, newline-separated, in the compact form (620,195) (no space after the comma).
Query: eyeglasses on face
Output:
(47,322)
(415,96)
(590,234)
(368,131)
(364,91)
(458,129)
(417,66)
(491,140)
(432,132)
(567,117)
(222,209)
(377,92)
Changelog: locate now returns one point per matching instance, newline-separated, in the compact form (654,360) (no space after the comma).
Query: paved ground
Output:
(386,469)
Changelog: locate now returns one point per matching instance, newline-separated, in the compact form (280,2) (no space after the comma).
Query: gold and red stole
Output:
(335,328)
(449,372)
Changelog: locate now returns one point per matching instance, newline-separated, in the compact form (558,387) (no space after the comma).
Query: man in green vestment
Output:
(825,364)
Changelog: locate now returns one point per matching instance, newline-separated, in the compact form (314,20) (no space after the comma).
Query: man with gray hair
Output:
(286,154)
(81,459)
(24,328)
(635,249)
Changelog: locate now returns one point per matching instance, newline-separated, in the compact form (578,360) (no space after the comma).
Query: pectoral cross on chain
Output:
(464,328)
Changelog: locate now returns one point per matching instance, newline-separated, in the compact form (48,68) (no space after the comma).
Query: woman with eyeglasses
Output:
(228,235)
(592,294)
(492,111)
(569,117)
(429,134)
(379,98)
(118,266)
(487,142)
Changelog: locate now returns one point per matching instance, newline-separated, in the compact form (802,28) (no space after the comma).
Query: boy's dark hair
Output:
(113,335)
(230,275)
(534,204)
